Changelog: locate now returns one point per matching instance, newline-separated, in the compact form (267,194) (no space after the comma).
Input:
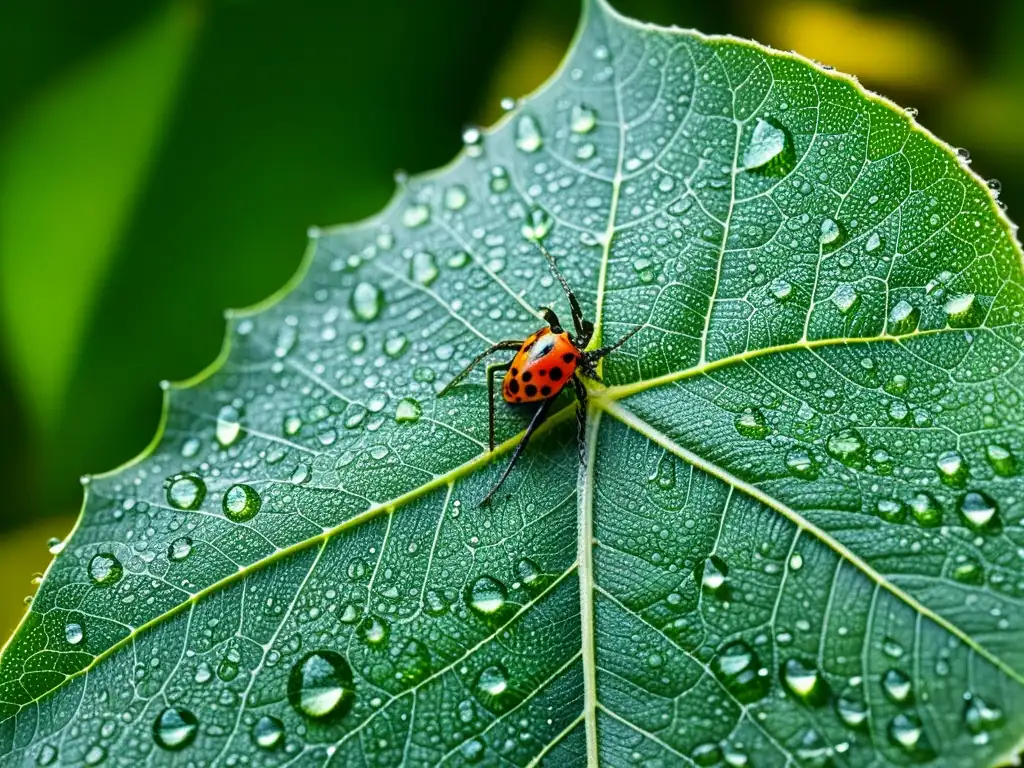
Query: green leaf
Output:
(796,537)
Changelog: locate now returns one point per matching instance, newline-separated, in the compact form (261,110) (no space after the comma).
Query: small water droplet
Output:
(73,633)
(781,289)
(925,510)
(907,732)
(175,728)
(752,423)
(851,709)
(980,717)
(413,663)
(179,549)
(714,575)
(796,561)
(873,243)
(434,603)
(583,119)
(903,319)
(801,464)
(766,143)
(105,569)
(95,755)
(829,232)
(241,503)
(320,685)
(707,754)
(487,596)
(185,492)
(395,344)
(845,297)
(47,755)
(847,446)
(499,179)
(408,411)
(537,225)
(952,468)
(416,216)
(455,197)
(493,681)
(528,135)
(1002,461)
(740,670)
(423,268)
(374,630)
(367,302)
(530,574)
(969,572)
(54,545)
(805,682)
(896,686)
(891,510)
(979,512)
(229,425)
(963,311)
(267,732)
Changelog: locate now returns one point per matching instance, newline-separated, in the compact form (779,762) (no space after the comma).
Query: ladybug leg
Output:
(507,344)
(581,417)
(595,355)
(584,328)
(536,421)
(551,319)
(491,370)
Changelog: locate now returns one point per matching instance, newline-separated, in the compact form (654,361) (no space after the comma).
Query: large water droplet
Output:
(847,446)
(891,510)
(740,670)
(493,681)
(801,464)
(766,143)
(537,225)
(903,319)
(852,710)
(715,575)
(1002,461)
(707,754)
(487,596)
(105,569)
(907,732)
(374,630)
(175,728)
(805,682)
(179,549)
(47,755)
(415,216)
(241,503)
(897,687)
(981,718)
(752,423)
(845,297)
(830,232)
(925,510)
(267,732)
(408,411)
(73,633)
(423,269)
(952,468)
(979,512)
(873,243)
(528,135)
(320,685)
(455,197)
(229,425)
(582,119)
(963,311)
(367,302)
(969,571)
(185,492)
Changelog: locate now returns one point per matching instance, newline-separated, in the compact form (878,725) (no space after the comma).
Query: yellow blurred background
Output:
(160,161)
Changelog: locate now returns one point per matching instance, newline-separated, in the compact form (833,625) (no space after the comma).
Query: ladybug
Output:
(545,363)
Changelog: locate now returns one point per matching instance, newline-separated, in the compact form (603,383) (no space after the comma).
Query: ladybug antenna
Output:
(584,330)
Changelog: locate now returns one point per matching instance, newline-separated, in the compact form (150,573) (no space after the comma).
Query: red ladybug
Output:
(545,363)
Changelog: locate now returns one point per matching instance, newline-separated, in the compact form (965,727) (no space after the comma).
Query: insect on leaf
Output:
(796,537)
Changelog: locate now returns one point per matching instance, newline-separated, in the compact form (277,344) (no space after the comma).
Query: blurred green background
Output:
(160,161)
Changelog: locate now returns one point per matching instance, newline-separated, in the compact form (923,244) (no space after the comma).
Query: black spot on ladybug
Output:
(556,374)
(519,399)
(527,375)
(542,372)
(530,390)
(568,357)
(515,372)
(513,387)
(545,390)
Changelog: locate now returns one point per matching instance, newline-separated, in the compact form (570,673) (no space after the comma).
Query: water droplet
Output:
(891,510)
(267,732)
(493,681)
(95,755)
(487,596)
(408,411)
(847,446)
(781,289)
(766,143)
(413,662)
(851,709)
(175,728)
(903,319)
(415,216)
(47,755)
(585,151)
(740,670)
(105,569)
(873,243)
(537,225)
(54,545)
(963,311)
(367,302)
(1003,462)
(528,135)
(185,492)
(979,511)
(455,197)
(896,686)
(907,732)
(241,503)
(715,574)
(374,630)
(530,574)
(664,473)
(227,670)
(583,119)
(897,385)
(320,685)
(845,297)
(395,344)
(706,754)
(422,269)
(73,633)
(829,232)
(925,510)
(796,561)
(805,682)
(980,718)
(969,572)
(801,464)
(952,468)
(499,179)
(228,425)
(472,751)
(752,423)
(179,549)
(434,603)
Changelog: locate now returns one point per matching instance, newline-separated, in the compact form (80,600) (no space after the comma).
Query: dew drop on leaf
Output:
(487,596)
(896,686)
(267,732)
(179,549)
(528,135)
(499,179)
(801,464)
(228,425)
(185,492)
(903,319)
(714,576)
(374,630)
(952,468)
(1002,461)
(980,717)
(582,119)
(979,511)
(537,225)
(805,682)
(175,728)
(766,143)
(874,242)
(105,570)
(367,302)
(847,446)
(415,216)
(829,232)
(408,411)
(73,633)
(845,297)
(320,685)
(422,270)
(891,510)
(969,572)
(493,681)
(925,510)
(241,502)
(455,197)
(907,732)
(752,423)
(741,671)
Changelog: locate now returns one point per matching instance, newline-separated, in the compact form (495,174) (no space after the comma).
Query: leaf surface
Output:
(796,536)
